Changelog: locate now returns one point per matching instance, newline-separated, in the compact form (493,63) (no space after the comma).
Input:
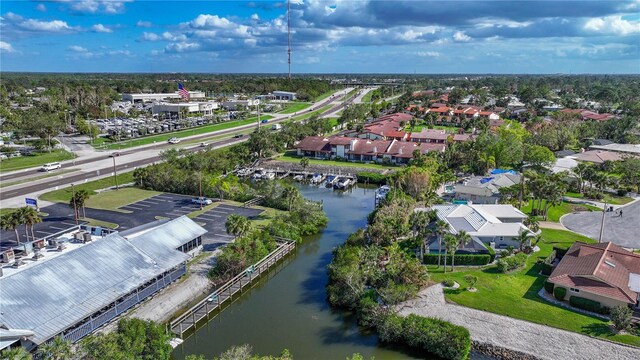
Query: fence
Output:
(226,292)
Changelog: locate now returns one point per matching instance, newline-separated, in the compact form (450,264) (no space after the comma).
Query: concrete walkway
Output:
(538,340)
(551,225)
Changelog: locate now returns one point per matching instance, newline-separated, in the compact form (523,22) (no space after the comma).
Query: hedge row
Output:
(547,269)
(371,177)
(587,304)
(512,262)
(460,259)
(438,337)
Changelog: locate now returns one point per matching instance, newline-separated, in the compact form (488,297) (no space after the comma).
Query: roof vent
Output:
(610,263)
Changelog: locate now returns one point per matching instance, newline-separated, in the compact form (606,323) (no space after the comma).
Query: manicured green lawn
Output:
(418,128)
(104,224)
(296,159)
(516,294)
(294,107)
(608,198)
(179,134)
(28,161)
(64,195)
(555,212)
(113,200)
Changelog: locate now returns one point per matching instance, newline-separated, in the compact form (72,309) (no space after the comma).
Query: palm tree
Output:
(82,196)
(450,245)
(419,221)
(442,228)
(18,353)
(291,195)
(30,217)
(580,171)
(532,223)
(304,162)
(21,216)
(56,349)
(462,238)
(237,225)
(13,221)
(523,238)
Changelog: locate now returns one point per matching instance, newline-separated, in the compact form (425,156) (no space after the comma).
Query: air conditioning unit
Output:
(39,244)
(79,235)
(8,256)
(86,237)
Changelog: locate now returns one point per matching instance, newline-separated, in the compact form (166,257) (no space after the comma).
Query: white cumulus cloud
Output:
(614,25)
(6,47)
(41,7)
(428,54)
(101,28)
(144,24)
(460,36)
(78,49)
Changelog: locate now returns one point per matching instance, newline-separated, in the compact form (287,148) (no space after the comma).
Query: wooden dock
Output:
(226,292)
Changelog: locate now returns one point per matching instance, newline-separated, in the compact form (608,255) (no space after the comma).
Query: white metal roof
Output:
(53,295)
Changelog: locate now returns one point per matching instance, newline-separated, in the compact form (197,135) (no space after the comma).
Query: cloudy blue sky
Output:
(328,36)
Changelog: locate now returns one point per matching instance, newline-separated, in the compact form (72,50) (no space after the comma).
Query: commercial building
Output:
(174,109)
(284,95)
(161,96)
(234,104)
(82,280)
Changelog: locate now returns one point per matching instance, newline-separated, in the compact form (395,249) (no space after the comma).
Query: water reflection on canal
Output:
(290,310)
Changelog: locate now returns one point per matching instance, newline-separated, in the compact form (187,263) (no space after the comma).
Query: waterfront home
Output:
(485,189)
(604,272)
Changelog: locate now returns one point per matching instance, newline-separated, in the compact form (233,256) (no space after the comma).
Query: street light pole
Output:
(602,223)
(200,186)
(115,174)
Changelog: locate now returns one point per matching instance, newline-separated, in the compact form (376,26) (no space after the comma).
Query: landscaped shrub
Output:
(371,177)
(390,329)
(439,337)
(460,259)
(559,293)
(448,283)
(512,262)
(622,192)
(621,317)
(549,287)
(587,304)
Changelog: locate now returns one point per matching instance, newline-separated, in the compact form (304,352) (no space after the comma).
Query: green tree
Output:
(17,353)
(78,200)
(630,171)
(56,349)
(441,228)
(621,317)
(10,222)
(30,217)
(462,239)
(304,162)
(471,280)
(237,225)
(133,339)
(450,246)
(291,195)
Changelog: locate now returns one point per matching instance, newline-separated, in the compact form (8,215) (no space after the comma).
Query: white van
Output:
(50,166)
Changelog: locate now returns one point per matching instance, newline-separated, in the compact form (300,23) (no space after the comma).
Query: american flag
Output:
(183,92)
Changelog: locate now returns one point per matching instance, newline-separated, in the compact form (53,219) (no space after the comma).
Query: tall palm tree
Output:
(291,195)
(30,217)
(21,216)
(523,238)
(450,245)
(442,228)
(419,221)
(532,223)
(8,223)
(462,238)
(56,349)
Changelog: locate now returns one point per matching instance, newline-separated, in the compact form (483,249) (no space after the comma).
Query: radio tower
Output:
(289,35)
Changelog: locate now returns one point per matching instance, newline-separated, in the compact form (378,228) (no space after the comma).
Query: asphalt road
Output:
(621,230)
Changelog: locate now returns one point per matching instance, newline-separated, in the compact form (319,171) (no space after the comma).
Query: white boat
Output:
(269,175)
(259,174)
(317,178)
(342,183)
(298,178)
(382,192)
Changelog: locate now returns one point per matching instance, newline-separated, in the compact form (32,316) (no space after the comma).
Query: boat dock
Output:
(337,181)
(213,303)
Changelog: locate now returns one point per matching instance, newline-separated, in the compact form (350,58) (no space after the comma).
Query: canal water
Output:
(289,310)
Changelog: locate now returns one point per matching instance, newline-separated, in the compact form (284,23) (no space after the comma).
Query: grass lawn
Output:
(555,212)
(325,95)
(418,128)
(28,161)
(104,224)
(516,294)
(113,200)
(608,198)
(296,159)
(294,107)
(179,134)
(64,195)
(7,211)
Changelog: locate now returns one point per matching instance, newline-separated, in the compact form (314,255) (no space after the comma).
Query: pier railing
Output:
(225,293)
(255,201)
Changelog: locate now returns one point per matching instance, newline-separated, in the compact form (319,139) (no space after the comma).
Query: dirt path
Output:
(541,341)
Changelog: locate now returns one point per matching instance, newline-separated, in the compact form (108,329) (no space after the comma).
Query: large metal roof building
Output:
(73,293)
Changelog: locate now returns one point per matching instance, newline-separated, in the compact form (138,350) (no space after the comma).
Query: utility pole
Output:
(115,174)
(200,185)
(73,200)
(602,223)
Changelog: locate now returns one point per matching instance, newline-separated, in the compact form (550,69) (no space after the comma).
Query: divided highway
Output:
(67,179)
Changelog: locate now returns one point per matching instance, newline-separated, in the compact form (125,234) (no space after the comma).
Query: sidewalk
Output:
(538,340)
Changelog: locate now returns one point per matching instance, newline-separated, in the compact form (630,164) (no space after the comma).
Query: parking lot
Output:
(60,218)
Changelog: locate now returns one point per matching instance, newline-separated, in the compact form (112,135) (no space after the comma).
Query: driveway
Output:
(538,340)
(619,230)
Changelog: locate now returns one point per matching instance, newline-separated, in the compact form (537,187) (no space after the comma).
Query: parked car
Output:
(238,136)
(114,154)
(51,166)
(264,121)
(202,201)
(203,144)
(174,140)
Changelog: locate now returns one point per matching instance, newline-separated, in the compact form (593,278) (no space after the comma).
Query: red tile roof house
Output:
(603,272)
(467,112)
